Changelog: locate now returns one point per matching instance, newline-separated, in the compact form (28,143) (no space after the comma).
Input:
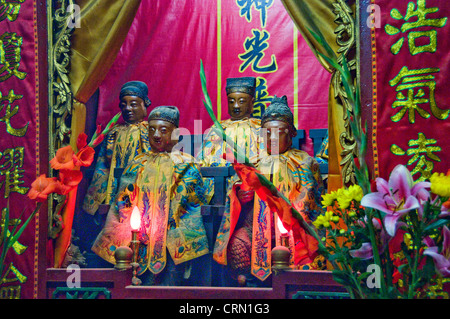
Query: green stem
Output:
(417,233)
(346,264)
(389,265)
(411,288)
(8,241)
(376,255)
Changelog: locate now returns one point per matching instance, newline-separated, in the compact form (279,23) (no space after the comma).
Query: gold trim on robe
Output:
(244,133)
(120,147)
(169,191)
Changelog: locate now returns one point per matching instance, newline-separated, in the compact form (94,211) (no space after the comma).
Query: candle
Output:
(281,228)
(281,253)
(284,233)
(135,223)
(135,219)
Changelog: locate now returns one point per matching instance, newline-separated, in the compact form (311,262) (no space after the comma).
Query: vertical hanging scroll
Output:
(19,145)
(411,55)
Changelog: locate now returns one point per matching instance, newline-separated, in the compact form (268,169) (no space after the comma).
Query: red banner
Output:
(19,154)
(233,38)
(411,63)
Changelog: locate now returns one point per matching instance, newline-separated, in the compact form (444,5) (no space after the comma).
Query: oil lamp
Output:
(281,253)
(135,222)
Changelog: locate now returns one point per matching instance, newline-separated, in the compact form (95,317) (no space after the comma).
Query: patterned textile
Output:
(297,176)
(322,155)
(123,143)
(245,133)
(169,191)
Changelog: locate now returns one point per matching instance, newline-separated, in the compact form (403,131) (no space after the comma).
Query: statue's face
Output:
(160,135)
(133,109)
(240,105)
(277,137)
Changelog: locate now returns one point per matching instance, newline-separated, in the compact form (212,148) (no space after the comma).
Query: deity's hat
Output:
(278,110)
(243,85)
(166,113)
(136,88)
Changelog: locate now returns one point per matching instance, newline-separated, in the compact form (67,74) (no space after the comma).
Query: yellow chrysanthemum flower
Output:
(344,201)
(328,199)
(345,196)
(324,220)
(440,184)
(355,192)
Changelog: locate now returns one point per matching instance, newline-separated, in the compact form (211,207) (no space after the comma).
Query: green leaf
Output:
(321,40)
(402,268)
(332,62)
(204,88)
(363,276)
(347,81)
(21,230)
(111,123)
(363,148)
(342,278)
(437,224)
(346,78)
(353,125)
(336,256)
(5,240)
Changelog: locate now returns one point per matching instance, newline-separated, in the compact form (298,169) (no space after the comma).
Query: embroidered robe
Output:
(122,144)
(169,190)
(245,133)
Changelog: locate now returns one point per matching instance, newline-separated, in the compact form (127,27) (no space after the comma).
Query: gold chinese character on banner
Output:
(10,49)
(6,117)
(415,18)
(422,151)
(10,292)
(11,277)
(9,9)
(11,162)
(18,247)
(412,97)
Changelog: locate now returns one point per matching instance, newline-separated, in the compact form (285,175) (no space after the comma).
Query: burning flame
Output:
(135,219)
(281,227)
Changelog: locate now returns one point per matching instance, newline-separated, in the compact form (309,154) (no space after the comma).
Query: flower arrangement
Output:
(390,243)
